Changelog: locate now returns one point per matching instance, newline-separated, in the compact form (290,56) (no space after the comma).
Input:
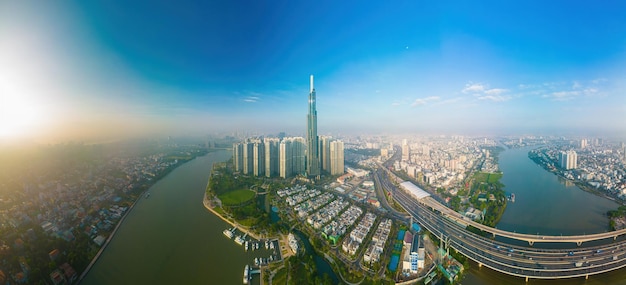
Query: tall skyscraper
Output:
(572,160)
(325,153)
(568,160)
(298,147)
(238,156)
(271,156)
(336,158)
(247,157)
(405,150)
(286,158)
(312,154)
(258,161)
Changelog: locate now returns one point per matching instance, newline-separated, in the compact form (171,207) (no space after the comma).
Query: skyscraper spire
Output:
(312,156)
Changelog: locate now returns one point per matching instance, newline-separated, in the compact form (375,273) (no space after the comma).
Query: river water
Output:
(546,204)
(170,238)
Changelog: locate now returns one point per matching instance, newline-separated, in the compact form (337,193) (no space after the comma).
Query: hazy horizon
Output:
(97,71)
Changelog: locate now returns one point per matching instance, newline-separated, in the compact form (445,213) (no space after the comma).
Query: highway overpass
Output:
(579,260)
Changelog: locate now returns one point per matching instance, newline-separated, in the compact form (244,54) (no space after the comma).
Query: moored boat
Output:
(239,240)
(246,274)
(228,233)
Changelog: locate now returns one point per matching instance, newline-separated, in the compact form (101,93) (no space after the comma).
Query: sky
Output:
(93,70)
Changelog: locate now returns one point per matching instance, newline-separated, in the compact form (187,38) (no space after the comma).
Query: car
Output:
(571,253)
(598,251)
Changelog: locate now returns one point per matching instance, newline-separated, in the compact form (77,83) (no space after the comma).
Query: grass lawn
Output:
(494,177)
(481,177)
(219,210)
(236,197)
(487,177)
(247,222)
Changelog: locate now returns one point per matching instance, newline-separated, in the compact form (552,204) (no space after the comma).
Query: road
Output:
(521,261)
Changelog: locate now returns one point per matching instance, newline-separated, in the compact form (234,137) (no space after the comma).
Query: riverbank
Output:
(121,221)
(581,185)
(208,204)
(282,239)
(106,243)
(170,238)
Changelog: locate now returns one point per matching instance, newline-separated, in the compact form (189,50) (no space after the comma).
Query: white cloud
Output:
(526,86)
(474,88)
(496,91)
(561,92)
(483,92)
(251,99)
(495,98)
(424,101)
(591,91)
(563,95)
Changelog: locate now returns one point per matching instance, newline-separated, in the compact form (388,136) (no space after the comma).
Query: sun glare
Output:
(18,116)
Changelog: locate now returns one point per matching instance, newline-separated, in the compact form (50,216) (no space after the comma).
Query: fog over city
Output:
(95,71)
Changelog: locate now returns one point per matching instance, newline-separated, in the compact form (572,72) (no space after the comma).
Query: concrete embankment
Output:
(106,243)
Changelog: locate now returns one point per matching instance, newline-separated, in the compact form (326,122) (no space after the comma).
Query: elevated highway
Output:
(531,239)
(523,261)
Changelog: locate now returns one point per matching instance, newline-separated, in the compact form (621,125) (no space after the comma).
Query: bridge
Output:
(579,260)
(531,239)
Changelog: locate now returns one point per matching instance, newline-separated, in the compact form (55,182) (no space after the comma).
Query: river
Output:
(170,238)
(545,204)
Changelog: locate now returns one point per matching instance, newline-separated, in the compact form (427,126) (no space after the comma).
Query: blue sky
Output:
(100,68)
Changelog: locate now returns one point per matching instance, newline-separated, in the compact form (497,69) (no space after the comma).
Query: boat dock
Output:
(247,273)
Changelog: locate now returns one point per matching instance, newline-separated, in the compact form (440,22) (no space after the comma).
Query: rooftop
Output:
(414,190)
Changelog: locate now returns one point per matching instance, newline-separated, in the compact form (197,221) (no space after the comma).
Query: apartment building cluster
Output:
(286,157)
(442,162)
(599,164)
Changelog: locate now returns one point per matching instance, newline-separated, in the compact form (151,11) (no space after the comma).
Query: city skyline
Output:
(95,71)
